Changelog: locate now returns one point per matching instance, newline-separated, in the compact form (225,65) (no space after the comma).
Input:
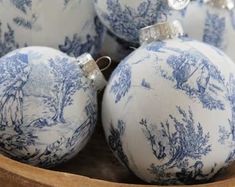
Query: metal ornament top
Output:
(161,31)
(92,71)
(225,4)
(178,4)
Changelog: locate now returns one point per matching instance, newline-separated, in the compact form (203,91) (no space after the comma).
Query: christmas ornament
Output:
(48,104)
(125,17)
(168,108)
(69,25)
(214,25)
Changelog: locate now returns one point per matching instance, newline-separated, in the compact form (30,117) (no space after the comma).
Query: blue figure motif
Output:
(187,142)
(22,5)
(76,47)
(7,40)
(214,30)
(11,102)
(209,79)
(115,142)
(86,128)
(127,21)
(121,86)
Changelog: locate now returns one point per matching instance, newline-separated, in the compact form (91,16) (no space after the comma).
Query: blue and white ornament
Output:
(69,25)
(214,23)
(124,18)
(48,104)
(168,109)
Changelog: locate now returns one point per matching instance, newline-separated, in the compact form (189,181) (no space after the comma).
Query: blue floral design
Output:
(187,142)
(214,30)
(7,40)
(127,21)
(185,64)
(122,85)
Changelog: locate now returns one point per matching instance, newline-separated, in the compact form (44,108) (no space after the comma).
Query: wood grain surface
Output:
(94,166)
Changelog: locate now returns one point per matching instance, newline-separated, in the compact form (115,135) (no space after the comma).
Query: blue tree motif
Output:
(75,47)
(127,21)
(13,78)
(115,142)
(7,40)
(214,30)
(28,24)
(22,4)
(68,80)
(185,65)
(188,141)
(122,85)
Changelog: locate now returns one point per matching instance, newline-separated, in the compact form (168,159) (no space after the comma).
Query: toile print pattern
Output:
(22,128)
(179,143)
(184,148)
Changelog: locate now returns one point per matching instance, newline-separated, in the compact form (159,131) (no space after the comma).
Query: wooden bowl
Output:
(94,166)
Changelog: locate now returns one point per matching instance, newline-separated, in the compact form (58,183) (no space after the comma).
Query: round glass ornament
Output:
(48,104)
(69,25)
(124,18)
(215,24)
(168,108)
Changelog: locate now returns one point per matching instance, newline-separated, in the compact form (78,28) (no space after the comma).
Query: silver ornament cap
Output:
(161,31)
(178,4)
(92,71)
(224,4)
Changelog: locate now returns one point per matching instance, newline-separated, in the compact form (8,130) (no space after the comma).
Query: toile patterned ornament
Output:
(172,101)
(48,105)
(36,23)
(124,18)
(214,25)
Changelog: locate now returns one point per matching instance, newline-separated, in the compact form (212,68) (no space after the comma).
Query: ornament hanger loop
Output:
(101,60)
(178,4)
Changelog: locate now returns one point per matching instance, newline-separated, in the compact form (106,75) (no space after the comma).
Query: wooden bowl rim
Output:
(21,174)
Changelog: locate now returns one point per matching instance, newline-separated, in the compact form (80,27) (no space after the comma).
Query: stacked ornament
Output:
(168,109)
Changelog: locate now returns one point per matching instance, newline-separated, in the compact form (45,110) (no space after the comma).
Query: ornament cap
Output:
(161,31)
(224,4)
(178,4)
(92,71)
